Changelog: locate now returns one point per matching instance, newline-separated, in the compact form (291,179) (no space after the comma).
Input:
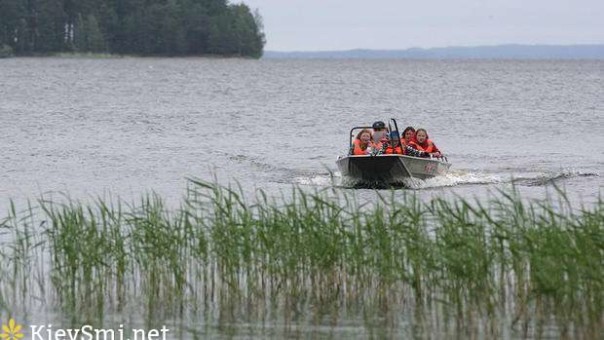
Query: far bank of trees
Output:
(136,27)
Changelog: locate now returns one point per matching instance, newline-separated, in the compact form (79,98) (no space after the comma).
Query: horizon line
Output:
(441,47)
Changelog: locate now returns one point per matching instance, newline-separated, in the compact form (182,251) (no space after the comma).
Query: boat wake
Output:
(460,177)
(325,179)
(551,178)
(457,178)
(454,178)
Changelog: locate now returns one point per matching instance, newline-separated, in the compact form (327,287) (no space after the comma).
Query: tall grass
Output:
(451,266)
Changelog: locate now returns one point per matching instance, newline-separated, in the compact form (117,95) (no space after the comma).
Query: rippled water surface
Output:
(127,126)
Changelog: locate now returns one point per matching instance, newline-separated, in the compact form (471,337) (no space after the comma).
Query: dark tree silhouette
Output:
(137,27)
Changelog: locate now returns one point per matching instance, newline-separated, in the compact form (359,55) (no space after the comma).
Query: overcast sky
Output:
(313,25)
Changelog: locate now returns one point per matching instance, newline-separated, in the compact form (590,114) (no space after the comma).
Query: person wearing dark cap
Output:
(379,125)
(379,131)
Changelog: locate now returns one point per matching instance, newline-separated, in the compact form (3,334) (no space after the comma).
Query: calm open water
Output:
(127,126)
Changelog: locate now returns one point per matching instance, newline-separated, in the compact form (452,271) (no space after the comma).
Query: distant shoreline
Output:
(509,51)
(78,55)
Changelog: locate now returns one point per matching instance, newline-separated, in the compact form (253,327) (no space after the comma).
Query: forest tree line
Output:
(132,27)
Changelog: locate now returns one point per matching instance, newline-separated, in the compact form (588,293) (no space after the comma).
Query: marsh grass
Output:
(447,266)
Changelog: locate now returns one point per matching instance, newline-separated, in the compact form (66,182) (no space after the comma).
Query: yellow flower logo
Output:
(12,331)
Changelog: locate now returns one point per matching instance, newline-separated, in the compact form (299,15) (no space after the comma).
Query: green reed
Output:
(461,265)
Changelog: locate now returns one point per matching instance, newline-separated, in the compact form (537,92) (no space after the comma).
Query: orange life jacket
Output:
(404,142)
(432,146)
(381,147)
(357,150)
(427,146)
(398,150)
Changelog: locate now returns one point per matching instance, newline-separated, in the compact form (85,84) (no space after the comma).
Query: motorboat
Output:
(387,170)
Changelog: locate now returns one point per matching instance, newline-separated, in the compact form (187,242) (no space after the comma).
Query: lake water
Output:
(90,127)
(127,126)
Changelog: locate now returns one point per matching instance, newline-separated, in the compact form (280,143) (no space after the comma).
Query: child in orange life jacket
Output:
(382,144)
(408,135)
(390,144)
(422,143)
(394,145)
(362,143)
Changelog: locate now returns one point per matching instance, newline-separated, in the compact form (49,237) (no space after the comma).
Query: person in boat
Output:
(394,145)
(362,144)
(381,145)
(408,135)
(424,144)
(380,131)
